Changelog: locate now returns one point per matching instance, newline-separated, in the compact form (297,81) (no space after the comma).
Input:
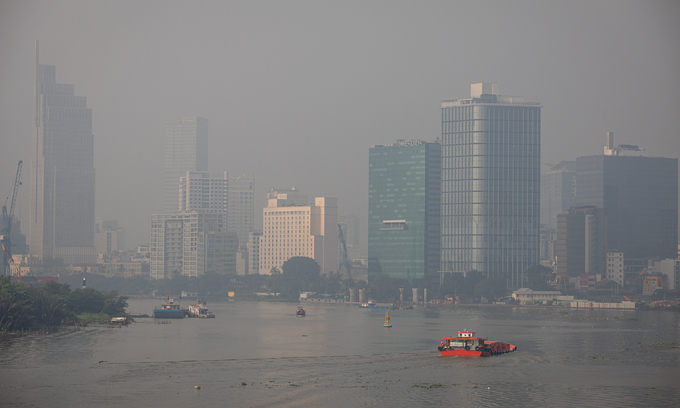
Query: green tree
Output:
(302,269)
(538,277)
(491,288)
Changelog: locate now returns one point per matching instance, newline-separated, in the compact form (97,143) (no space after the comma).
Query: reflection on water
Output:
(261,354)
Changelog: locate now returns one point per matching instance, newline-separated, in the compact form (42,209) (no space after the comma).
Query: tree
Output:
(538,277)
(301,269)
(491,288)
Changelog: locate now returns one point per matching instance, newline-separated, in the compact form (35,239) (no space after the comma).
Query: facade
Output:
(186,149)
(615,267)
(639,196)
(108,237)
(62,172)
(231,197)
(191,244)
(581,245)
(490,210)
(404,193)
(292,230)
(558,192)
(253,266)
(241,208)
(670,269)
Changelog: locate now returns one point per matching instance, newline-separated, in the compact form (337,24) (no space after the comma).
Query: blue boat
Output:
(169,310)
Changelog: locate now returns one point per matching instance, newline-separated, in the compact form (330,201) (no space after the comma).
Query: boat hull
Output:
(168,314)
(465,353)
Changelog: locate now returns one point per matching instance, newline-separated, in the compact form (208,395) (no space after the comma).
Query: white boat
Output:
(200,311)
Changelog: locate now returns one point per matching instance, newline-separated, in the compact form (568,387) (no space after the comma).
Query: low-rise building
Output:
(526,295)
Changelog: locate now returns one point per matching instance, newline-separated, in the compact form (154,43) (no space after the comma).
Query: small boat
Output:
(467,345)
(170,310)
(300,312)
(201,311)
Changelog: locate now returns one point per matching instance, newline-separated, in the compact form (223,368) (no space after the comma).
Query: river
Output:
(259,354)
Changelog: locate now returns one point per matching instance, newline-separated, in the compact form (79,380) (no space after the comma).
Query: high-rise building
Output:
(404,193)
(253,248)
(241,208)
(108,236)
(186,149)
(231,197)
(639,196)
(581,245)
(62,172)
(491,150)
(291,230)
(199,191)
(190,244)
(558,192)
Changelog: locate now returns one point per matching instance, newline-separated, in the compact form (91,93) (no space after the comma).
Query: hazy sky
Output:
(296,92)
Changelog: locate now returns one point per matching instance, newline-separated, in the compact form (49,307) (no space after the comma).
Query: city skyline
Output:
(318,97)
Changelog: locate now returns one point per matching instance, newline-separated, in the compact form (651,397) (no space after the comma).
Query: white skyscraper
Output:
(491,156)
(186,149)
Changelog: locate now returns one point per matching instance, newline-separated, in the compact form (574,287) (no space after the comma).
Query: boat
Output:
(301,312)
(467,345)
(170,310)
(371,304)
(201,311)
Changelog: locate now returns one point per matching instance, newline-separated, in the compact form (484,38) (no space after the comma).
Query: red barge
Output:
(466,345)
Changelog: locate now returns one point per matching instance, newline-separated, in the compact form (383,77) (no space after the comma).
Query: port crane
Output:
(7,216)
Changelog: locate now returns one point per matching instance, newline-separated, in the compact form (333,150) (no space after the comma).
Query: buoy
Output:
(387,319)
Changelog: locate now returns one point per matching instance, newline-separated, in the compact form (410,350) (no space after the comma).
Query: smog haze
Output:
(296,92)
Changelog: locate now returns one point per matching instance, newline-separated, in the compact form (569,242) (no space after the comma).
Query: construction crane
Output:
(345,264)
(7,222)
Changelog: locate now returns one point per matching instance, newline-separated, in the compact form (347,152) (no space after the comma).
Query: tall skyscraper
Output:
(491,151)
(639,196)
(581,245)
(291,230)
(404,193)
(62,172)
(186,149)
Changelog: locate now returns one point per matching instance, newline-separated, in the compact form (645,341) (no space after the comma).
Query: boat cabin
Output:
(465,340)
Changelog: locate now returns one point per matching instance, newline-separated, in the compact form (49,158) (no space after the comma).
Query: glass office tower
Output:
(491,151)
(62,172)
(639,196)
(404,191)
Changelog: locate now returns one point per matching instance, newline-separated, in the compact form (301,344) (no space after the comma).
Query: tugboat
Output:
(467,345)
(300,312)
(170,310)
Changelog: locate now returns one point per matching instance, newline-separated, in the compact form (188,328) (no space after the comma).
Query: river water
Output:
(259,354)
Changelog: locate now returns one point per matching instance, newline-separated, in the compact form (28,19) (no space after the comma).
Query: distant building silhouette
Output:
(491,151)
(62,172)
(186,149)
(639,196)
